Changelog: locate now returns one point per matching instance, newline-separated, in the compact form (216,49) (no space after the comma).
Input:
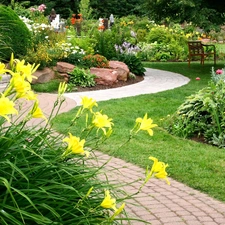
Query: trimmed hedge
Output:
(14,34)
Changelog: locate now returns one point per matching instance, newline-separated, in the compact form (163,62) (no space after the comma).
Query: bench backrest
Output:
(195,47)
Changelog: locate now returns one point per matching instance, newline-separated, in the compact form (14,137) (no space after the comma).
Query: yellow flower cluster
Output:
(19,87)
(99,121)
(124,23)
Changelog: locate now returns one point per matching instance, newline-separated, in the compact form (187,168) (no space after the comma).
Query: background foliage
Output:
(204,13)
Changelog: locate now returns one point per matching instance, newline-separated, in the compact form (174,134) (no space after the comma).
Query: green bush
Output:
(81,77)
(133,62)
(75,59)
(202,114)
(105,42)
(15,35)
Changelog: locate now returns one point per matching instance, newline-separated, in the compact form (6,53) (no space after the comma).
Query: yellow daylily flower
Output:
(38,113)
(88,103)
(29,95)
(146,124)
(26,70)
(20,85)
(7,107)
(2,68)
(158,170)
(102,121)
(118,211)
(75,145)
(109,202)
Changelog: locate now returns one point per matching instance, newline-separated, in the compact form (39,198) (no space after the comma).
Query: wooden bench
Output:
(196,48)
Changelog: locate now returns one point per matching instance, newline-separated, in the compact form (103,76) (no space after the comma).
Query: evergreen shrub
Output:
(15,36)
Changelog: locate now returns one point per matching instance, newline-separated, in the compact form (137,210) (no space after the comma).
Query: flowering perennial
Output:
(145,124)
(19,87)
(75,145)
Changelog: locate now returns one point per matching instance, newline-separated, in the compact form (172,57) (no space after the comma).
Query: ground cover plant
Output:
(196,164)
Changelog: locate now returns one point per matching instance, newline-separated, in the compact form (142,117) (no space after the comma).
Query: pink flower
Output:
(32,9)
(197,78)
(41,8)
(219,71)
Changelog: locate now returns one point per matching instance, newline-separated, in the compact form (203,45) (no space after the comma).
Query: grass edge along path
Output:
(197,165)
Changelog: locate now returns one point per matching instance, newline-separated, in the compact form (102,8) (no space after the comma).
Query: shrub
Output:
(202,114)
(105,42)
(81,77)
(141,35)
(15,35)
(75,59)
(127,53)
(85,43)
(96,60)
(133,62)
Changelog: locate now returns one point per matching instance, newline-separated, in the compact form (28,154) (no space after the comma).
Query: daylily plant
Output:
(19,87)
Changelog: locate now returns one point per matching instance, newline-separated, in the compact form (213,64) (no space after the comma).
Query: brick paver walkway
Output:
(158,203)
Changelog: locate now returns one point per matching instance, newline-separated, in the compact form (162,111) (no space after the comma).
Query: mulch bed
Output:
(116,85)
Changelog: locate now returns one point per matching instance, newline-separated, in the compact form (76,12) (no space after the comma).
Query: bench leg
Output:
(202,59)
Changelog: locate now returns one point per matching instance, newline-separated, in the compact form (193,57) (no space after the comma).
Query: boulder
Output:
(121,68)
(65,76)
(104,76)
(63,67)
(43,76)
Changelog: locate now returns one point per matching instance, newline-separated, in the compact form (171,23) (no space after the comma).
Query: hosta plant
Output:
(202,114)
(81,77)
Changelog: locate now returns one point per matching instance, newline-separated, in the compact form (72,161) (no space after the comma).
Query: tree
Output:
(203,13)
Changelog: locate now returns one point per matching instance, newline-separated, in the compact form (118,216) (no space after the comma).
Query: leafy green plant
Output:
(44,177)
(202,114)
(75,59)
(81,77)
(105,42)
(133,62)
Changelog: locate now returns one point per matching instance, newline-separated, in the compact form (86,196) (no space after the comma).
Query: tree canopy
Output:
(206,14)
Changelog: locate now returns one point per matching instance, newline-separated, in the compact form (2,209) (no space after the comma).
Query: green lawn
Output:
(198,165)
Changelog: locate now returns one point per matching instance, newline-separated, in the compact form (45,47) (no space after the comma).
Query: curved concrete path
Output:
(154,81)
(158,203)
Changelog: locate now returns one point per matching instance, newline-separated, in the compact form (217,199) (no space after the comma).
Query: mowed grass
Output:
(197,165)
